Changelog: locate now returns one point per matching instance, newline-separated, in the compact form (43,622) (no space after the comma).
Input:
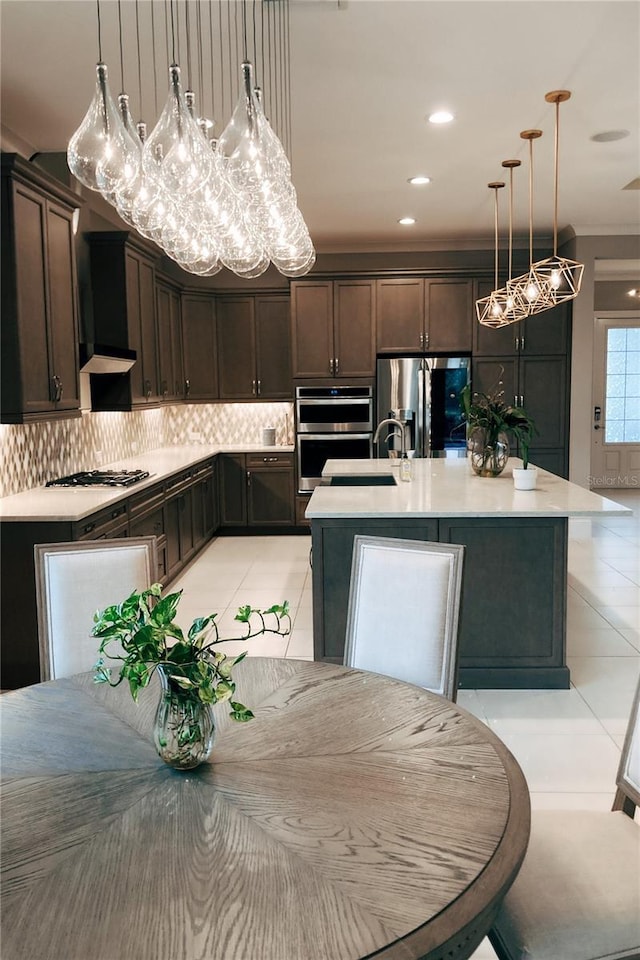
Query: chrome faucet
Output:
(401,432)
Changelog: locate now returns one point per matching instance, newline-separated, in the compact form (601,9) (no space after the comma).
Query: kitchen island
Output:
(513,612)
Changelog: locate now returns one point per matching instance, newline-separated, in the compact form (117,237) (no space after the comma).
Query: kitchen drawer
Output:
(178,482)
(150,524)
(146,501)
(102,524)
(257,461)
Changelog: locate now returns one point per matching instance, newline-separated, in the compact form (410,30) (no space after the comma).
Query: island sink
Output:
(359,480)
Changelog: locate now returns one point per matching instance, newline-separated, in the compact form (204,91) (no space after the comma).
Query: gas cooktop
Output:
(100,478)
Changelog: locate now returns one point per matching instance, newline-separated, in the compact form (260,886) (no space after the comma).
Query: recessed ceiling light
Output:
(419,181)
(607,136)
(634,293)
(406,221)
(440,116)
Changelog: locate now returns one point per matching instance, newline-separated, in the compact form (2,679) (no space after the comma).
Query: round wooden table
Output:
(355,817)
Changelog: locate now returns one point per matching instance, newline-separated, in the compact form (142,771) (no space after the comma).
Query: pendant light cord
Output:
(289,121)
(555,179)
(139,58)
(122,86)
(188,30)
(99,34)
(173,34)
(530,201)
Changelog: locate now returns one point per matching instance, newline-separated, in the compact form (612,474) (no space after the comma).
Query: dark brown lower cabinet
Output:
(180,512)
(179,527)
(513,610)
(257,490)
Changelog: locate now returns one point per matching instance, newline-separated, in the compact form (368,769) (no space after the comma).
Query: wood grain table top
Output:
(356,816)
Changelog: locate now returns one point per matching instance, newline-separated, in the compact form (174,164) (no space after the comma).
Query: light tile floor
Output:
(567,741)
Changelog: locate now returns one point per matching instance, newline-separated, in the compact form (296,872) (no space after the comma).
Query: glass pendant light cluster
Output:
(208,204)
(547,282)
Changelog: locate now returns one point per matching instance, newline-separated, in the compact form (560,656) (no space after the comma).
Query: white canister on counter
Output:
(268,436)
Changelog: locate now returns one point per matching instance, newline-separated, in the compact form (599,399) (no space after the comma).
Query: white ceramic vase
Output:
(525,479)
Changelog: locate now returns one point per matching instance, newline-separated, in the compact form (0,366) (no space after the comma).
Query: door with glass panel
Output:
(615,446)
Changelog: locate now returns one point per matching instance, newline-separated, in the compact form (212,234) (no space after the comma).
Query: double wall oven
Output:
(334,422)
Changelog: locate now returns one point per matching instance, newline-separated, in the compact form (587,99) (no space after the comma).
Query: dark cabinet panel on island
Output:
(525,557)
(39,296)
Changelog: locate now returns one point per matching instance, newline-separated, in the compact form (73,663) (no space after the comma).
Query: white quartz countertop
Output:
(449,488)
(75,503)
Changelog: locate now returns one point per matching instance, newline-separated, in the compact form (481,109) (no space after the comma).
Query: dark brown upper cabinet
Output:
(39,296)
(168,313)
(254,354)
(124,315)
(333,324)
(418,315)
(199,347)
(546,334)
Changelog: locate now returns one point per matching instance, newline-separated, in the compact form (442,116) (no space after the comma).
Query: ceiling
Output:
(364,74)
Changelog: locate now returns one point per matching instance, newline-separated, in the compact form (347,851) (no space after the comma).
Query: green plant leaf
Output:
(244,614)
(199,625)
(224,690)
(240,713)
(164,611)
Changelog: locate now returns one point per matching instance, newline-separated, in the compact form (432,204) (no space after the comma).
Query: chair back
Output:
(73,580)
(404,602)
(628,778)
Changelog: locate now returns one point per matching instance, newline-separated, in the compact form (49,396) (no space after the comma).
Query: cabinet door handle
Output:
(147,389)
(253,387)
(165,388)
(56,391)
(259,387)
(522,343)
(331,366)
(522,399)
(187,387)
(426,341)
(248,478)
(421,340)
(517,343)
(336,366)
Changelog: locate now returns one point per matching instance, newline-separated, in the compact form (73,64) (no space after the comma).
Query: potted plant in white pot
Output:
(526,476)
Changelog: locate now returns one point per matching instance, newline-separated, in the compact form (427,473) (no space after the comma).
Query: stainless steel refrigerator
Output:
(423,393)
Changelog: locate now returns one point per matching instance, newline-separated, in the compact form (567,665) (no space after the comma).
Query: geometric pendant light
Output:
(560,276)
(491,310)
(530,289)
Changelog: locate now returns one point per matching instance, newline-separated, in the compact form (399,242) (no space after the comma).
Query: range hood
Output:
(99,358)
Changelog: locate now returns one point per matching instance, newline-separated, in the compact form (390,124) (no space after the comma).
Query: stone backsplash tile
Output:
(31,454)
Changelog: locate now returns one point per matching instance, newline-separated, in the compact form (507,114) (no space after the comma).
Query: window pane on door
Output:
(622,423)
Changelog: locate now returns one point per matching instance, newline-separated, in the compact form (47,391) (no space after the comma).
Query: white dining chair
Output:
(577,896)
(73,580)
(403,612)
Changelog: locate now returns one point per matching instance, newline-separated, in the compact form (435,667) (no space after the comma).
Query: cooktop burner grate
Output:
(100,478)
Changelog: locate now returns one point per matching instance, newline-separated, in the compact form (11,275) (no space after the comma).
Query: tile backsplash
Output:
(31,454)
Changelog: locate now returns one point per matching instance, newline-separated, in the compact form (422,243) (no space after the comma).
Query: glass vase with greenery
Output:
(141,636)
(490,422)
